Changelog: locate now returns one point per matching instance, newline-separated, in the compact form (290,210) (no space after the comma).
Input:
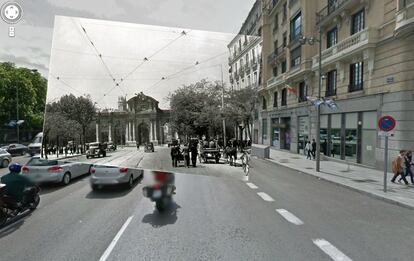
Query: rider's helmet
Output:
(15,167)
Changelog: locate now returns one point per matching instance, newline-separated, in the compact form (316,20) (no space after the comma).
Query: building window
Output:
(296,27)
(275,98)
(253,56)
(264,104)
(295,56)
(331,83)
(276,24)
(284,97)
(264,129)
(358,22)
(255,77)
(249,81)
(332,37)
(284,66)
(302,92)
(275,71)
(284,39)
(356,76)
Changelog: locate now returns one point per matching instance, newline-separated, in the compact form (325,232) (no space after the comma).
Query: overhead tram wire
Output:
(146,59)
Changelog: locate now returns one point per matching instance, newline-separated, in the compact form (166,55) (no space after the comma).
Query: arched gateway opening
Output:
(143,133)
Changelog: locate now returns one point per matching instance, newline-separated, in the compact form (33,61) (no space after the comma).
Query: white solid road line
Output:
(330,250)
(289,217)
(251,185)
(115,240)
(265,197)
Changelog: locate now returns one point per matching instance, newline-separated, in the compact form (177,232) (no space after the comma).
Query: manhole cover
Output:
(364,180)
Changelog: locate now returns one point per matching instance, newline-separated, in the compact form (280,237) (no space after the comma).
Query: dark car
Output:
(95,149)
(149,147)
(16,149)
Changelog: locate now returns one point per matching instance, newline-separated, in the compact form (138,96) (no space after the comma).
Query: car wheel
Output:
(131,182)
(5,163)
(66,179)
(87,157)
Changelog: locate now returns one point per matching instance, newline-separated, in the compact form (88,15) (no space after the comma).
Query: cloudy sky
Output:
(32,44)
(107,59)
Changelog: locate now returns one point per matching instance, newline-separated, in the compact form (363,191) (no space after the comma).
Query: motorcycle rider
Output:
(16,184)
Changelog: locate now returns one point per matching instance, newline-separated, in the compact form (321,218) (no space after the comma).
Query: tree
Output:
(240,106)
(31,88)
(195,109)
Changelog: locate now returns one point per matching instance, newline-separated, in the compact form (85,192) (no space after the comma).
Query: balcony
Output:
(272,6)
(336,7)
(276,55)
(350,46)
(404,23)
(275,81)
(241,72)
(247,68)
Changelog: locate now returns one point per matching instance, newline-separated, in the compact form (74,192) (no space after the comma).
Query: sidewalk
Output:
(364,180)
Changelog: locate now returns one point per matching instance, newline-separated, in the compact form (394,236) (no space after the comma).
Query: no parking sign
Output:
(386,124)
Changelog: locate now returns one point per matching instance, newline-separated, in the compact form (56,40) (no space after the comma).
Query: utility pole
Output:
(222,107)
(318,120)
(17,114)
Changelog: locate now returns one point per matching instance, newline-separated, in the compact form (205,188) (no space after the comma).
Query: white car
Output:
(5,158)
(54,171)
(104,175)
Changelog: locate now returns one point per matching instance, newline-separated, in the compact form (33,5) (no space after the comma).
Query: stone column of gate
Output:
(151,130)
(133,131)
(156,132)
(126,133)
(110,132)
(97,132)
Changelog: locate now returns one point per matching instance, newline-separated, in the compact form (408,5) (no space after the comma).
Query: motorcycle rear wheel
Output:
(3,218)
(36,200)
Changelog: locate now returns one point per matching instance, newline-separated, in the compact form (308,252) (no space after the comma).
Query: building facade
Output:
(137,120)
(245,58)
(367,68)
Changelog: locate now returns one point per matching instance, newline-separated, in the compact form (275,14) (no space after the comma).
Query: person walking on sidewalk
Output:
(313,148)
(398,167)
(408,162)
(308,149)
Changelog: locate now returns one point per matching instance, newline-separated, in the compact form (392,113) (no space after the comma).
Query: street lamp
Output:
(311,41)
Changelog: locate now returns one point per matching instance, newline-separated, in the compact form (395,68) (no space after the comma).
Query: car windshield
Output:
(3,151)
(37,140)
(41,162)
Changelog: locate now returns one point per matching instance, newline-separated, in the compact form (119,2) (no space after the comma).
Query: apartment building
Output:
(367,68)
(245,51)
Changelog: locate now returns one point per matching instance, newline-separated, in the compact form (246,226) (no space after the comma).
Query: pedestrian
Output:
(313,148)
(137,144)
(397,167)
(173,154)
(408,162)
(186,155)
(193,150)
(304,147)
(308,149)
(200,150)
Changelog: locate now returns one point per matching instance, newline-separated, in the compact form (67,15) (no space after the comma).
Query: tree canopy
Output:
(31,88)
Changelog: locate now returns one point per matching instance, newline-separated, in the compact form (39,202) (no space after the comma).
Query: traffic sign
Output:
(386,123)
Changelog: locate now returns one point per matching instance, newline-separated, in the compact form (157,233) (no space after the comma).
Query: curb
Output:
(388,200)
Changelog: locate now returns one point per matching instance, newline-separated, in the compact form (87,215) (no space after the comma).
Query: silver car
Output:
(54,171)
(5,158)
(104,175)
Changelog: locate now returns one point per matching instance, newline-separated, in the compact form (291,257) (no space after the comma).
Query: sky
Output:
(32,44)
(106,59)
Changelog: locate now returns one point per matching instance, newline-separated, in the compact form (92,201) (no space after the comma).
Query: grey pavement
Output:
(362,179)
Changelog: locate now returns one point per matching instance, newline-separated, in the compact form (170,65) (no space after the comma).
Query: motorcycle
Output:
(162,191)
(10,208)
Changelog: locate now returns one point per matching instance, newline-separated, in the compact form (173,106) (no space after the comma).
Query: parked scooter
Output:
(10,208)
(162,191)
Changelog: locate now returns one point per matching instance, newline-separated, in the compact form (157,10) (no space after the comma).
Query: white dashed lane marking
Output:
(115,240)
(265,197)
(251,185)
(289,217)
(330,250)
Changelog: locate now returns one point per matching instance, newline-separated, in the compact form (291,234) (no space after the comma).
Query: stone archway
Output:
(143,133)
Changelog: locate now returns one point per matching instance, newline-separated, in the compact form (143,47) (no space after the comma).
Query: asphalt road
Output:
(217,215)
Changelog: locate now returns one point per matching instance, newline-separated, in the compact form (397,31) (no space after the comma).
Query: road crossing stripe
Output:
(265,197)
(251,185)
(330,250)
(289,217)
(115,240)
